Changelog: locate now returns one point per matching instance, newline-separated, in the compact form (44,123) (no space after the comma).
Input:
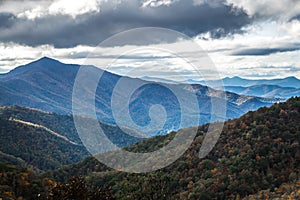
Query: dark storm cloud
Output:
(90,29)
(7,20)
(263,51)
(297,17)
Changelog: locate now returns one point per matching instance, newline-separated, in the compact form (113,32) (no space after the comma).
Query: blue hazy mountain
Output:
(270,88)
(265,91)
(160,80)
(47,84)
(284,82)
(288,82)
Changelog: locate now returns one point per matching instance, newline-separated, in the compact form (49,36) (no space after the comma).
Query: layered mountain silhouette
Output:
(289,82)
(47,84)
(284,88)
(283,82)
(265,91)
(275,88)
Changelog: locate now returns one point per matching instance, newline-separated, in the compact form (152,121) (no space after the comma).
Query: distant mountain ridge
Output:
(283,88)
(288,82)
(282,82)
(47,84)
(265,91)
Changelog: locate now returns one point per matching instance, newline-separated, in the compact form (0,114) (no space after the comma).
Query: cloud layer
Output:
(63,24)
(243,37)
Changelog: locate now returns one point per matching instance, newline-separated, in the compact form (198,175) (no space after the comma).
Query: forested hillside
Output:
(257,154)
(37,146)
(46,141)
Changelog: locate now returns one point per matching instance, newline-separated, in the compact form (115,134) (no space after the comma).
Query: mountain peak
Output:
(236,77)
(46,59)
(232,78)
(292,78)
(45,65)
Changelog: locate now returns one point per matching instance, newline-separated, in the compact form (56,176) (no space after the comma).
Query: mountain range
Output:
(282,82)
(288,82)
(256,157)
(47,84)
(267,91)
(284,88)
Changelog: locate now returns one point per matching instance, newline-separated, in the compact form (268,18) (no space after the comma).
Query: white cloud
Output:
(13,55)
(264,35)
(292,28)
(74,8)
(270,33)
(33,13)
(212,3)
(33,9)
(18,6)
(157,3)
(282,9)
(141,63)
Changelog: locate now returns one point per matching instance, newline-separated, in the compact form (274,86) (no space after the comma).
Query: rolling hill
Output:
(29,137)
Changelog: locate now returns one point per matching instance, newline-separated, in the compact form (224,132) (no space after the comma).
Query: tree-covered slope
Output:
(46,140)
(37,146)
(22,183)
(257,152)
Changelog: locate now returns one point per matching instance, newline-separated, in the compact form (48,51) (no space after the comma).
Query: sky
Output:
(248,38)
